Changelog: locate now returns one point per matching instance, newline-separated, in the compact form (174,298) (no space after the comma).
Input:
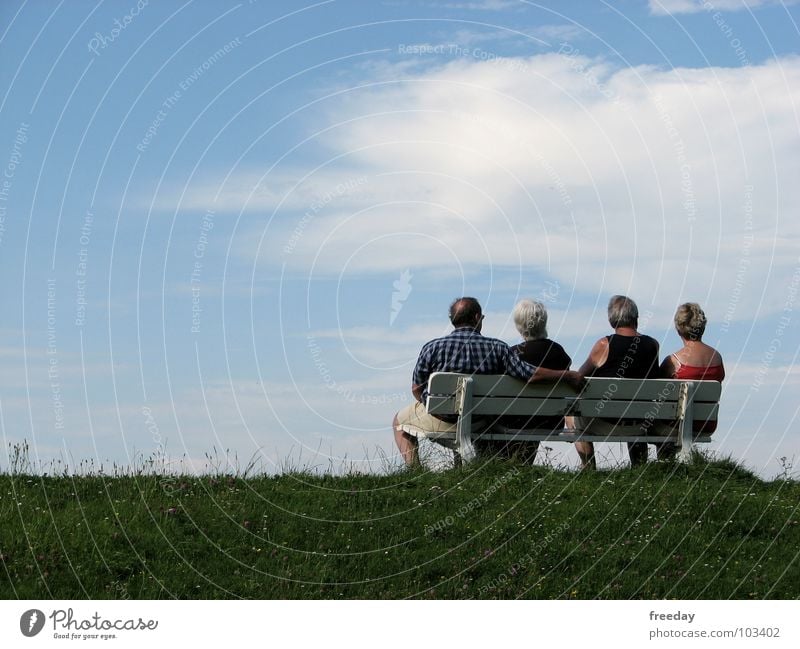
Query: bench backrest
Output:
(658,399)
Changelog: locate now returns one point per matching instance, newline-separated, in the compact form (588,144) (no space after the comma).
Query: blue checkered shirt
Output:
(468,352)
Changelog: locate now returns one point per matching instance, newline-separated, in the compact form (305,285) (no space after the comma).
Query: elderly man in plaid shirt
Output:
(464,350)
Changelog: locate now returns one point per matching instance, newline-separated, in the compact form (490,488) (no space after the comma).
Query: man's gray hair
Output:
(530,318)
(622,312)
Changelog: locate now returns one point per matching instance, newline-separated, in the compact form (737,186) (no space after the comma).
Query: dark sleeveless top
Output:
(541,353)
(630,357)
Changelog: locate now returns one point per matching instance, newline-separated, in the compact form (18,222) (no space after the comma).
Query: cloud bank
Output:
(670,184)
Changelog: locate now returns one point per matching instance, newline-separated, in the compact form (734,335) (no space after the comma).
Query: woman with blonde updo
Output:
(696,361)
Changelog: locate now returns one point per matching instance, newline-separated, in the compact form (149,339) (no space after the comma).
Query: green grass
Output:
(493,530)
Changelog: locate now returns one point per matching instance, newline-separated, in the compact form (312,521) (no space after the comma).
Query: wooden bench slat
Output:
(598,388)
(439,405)
(443,405)
(646,389)
(628,409)
(638,410)
(502,386)
(545,435)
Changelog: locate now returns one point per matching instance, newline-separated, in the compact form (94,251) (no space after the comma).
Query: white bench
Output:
(669,409)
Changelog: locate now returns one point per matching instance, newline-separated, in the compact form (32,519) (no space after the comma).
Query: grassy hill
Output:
(492,530)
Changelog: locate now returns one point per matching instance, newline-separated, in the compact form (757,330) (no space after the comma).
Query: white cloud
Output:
(660,184)
(300,190)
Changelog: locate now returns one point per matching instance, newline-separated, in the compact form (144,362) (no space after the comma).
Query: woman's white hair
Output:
(530,318)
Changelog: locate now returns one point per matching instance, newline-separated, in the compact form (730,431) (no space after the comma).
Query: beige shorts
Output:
(416,421)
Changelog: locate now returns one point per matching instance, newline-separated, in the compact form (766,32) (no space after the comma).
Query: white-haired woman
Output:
(530,318)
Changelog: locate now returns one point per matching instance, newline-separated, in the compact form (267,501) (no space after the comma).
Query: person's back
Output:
(696,361)
(699,373)
(632,357)
(530,319)
(541,353)
(467,351)
(545,352)
(624,354)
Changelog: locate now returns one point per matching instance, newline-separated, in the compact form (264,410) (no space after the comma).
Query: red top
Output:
(695,373)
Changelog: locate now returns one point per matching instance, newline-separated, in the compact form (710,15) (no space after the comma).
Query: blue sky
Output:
(232,225)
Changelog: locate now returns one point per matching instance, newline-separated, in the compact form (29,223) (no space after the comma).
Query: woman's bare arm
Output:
(667,369)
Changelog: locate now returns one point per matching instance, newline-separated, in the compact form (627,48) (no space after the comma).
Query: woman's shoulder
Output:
(689,362)
(716,357)
(669,367)
(703,356)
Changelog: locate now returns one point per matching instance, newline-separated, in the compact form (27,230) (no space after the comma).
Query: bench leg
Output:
(464,445)
(457,463)
(687,423)
(685,453)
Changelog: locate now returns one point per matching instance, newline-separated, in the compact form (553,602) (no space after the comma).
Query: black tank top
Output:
(630,357)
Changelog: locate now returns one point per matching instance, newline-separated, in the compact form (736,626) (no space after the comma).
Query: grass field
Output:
(493,530)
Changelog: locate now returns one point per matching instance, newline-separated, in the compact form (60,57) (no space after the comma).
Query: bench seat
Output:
(659,410)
